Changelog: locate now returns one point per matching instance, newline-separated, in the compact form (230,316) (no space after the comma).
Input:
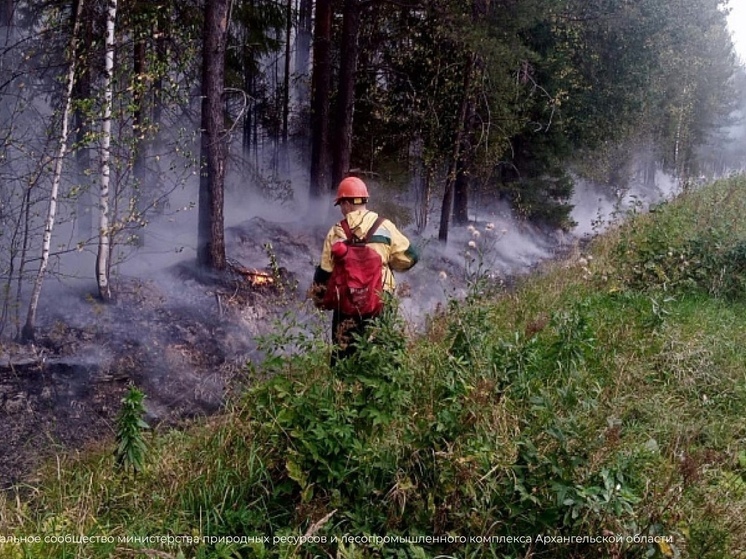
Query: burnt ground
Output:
(181,336)
(64,391)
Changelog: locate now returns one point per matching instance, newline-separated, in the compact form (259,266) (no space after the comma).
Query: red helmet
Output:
(351,187)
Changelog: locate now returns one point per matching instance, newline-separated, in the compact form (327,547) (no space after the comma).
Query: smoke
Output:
(268,214)
(493,248)
(596,207)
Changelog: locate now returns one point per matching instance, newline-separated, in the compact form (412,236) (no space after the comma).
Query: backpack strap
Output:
(374,228)
(368,235)
(347,230)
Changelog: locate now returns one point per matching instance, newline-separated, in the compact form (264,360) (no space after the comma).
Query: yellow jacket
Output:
(396,251)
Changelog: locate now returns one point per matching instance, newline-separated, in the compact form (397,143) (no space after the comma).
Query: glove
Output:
(316,293)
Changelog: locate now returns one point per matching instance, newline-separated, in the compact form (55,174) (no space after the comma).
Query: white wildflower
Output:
(442,275)
(489,227)
(476,234)
(472,244)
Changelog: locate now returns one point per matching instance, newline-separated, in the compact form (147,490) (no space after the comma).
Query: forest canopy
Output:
(438,99)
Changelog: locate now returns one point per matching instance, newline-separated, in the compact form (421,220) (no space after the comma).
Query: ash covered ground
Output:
(180,335)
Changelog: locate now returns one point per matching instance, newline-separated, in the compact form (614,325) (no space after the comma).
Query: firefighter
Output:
(396,252)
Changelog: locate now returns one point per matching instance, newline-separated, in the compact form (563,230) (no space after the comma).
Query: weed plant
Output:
(594,414)
(131,446)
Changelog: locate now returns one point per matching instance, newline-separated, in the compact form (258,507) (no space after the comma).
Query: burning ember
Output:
(256,278)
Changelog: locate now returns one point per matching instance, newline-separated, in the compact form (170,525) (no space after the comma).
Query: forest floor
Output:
(181,336)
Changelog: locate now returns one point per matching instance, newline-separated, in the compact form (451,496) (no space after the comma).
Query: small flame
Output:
(257,278)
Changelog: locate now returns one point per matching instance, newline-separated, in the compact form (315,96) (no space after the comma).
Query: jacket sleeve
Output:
(403,254)
(323,272)
(327,264)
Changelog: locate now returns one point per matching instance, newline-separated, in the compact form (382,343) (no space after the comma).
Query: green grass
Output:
(604,398)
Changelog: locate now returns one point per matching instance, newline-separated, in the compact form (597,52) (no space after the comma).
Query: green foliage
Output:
(549,413)
(131,446)
(535,180)
(256,32)
(543,199)
(678,251)
(332,432)
(555,82)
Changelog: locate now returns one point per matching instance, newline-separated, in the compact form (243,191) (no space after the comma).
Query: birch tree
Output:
(82,123)
(104,235)
(29,328)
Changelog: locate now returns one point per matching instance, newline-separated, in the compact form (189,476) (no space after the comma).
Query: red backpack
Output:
(356,284)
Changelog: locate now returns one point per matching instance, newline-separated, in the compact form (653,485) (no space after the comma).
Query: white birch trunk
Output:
(30,326)
(104,237)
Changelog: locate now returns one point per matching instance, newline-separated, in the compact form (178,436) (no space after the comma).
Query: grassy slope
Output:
(604,397)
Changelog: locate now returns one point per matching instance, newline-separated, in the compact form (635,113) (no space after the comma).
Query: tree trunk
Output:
(20,234)
(426,195)
(421,181)
(6,13)
(138,87)
(650,169)
(140,144)
(249,134)
(82,91)
(303,49)
(29,328)
(462,182)
(247,130)
(320,91)
(286,77)
(104,228)
(346,92)
(23,260)
(211,232)
(461,190)
(161,32)
(445,211)
(463,167)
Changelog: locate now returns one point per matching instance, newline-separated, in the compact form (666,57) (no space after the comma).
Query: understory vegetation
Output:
(596,410)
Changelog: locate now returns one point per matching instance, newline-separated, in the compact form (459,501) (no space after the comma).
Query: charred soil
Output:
(182,337)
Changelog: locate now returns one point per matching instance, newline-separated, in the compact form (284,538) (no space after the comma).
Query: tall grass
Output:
(596,411)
